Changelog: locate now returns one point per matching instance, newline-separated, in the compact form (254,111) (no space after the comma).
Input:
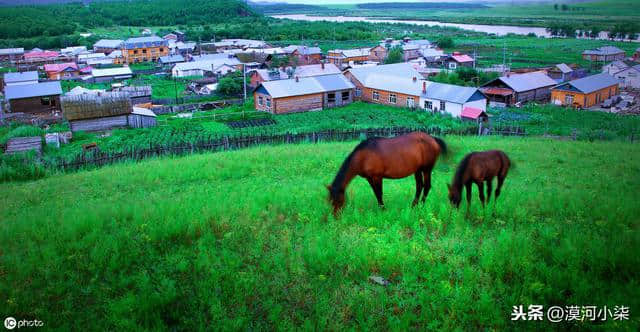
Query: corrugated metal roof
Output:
(118,71)
(33,90)
(316,70)
(471,112)
(304,50)
(592,83)
(462,58)
(140,42)
(41,54)
(172,58)
(11,51)
(143,111)
(214,56)
(604,50)
(58,67)
(564,68)
(395,78)
(20,77)
(307,85)
(207,65)
(108,43)
(527,81)
(448,92)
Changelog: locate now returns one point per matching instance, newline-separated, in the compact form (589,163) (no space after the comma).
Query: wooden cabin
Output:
(34,98)
(98,112)
(519,88)
(585,92)
(303,94)
(62,71)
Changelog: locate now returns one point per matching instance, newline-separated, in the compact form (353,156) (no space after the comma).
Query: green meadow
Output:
(245,240)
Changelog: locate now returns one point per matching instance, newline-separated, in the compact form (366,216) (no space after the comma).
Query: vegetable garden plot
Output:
(251,123)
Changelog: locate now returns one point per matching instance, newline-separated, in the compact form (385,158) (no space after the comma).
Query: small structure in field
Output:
(24,144)
(111,74)
(137,94)
(585,92)
(34,98)
(303,94)
(97,112)
(604,53)
(519,88)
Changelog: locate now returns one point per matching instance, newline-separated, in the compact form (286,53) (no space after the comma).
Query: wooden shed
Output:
(519,88)
(97,112)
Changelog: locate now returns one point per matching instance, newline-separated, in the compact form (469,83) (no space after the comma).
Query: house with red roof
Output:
(38,56)
(458,59)
(62,71)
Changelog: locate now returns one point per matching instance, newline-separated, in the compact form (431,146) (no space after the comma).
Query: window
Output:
(345,96)
(452,65)
(376,95)
(144,51)
(442,105)
(45,101)
(410,102)
(358,92)
(428,105)
(268,103)
(393,98)
(135,51)
(161,49)
(568,100)
(331,97)
(260,101)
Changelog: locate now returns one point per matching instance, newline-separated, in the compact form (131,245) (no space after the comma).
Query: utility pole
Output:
(504,55)
(244,81)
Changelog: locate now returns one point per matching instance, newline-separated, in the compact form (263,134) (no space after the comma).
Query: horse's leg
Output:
(489,189)
(427,183)
(500,182)
(418,177)
(468,187)
(481,192)
(376,185)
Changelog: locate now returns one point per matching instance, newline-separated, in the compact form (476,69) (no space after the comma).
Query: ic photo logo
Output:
(11,323)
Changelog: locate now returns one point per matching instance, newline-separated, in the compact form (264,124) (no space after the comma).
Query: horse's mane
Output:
(457,178)
(339,179)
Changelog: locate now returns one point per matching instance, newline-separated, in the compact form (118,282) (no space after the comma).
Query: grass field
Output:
(244,240)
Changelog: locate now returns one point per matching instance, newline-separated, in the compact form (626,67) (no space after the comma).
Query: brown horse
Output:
(479,167)
(391,158)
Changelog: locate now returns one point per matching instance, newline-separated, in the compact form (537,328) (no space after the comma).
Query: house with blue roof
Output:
(585,92)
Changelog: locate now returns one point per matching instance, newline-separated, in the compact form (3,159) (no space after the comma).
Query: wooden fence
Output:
(96,158)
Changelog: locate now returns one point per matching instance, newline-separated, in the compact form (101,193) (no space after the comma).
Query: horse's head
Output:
(454,196)
(336,197)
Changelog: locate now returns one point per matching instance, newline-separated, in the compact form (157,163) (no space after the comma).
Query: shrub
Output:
(21,167)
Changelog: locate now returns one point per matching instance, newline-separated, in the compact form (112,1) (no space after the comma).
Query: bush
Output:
(445,42)
(21,131)
(21,167)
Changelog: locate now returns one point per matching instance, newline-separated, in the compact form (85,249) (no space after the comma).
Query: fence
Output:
(194,106)
(98,158)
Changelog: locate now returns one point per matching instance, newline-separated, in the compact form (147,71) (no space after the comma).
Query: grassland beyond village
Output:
(245,239)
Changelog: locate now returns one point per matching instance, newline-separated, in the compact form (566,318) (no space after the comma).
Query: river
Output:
(499,30)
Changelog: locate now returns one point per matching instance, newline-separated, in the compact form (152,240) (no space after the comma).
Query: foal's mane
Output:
(339,179)
(464,164)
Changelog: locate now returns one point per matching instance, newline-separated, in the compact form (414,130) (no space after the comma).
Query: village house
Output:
(213,66)
(629,77)
(41,57)
(458,59)
(401,85)
(104,111)
(19,78)
(410,51)
(561,72)
(265,75)
(378,54)
(585,92)
(110,74)
(144,49)
(116,57)
(73,51)
(303,94)
(11,54)
(62,71)
(229,44)
(605,53)
(351,56)
(514,89)
(636,55)
(34,98)
(107,46)
(304,55)
(168,61)
(261,59)
(617,66)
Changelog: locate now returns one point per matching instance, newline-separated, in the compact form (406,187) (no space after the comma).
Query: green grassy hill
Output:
(244,240)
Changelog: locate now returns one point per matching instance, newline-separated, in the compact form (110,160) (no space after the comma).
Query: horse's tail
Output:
(442,144)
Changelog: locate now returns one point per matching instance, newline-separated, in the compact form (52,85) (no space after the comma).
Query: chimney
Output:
(424,87)
(415,79)
(297,79)
(322,65)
